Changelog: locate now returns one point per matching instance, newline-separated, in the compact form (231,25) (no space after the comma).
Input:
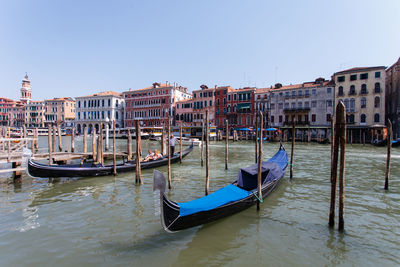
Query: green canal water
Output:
(111,221)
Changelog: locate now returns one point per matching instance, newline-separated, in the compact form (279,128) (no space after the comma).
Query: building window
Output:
(328,90)
(84,104)
(363,102)
(272,119)
(377,102)
(300,93)
(280,105)
(352,90)
(363,118)
(286,94)
(329,103)
(109,102)
(340,92)
(353,77)
(328,117)
(314,104)
(307,93)
(350,118)
(376,117)
(314,91)
(364,89)
(286,105)
(340,79)
(300,105)
(280,118)
(377,87)
(364,76)
(352,105)
(272,106)
(293,105)
(377,74)
(293,93)
(313,117)
(307,104)
(218,102)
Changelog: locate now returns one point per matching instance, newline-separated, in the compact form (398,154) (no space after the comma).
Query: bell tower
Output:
(26,91)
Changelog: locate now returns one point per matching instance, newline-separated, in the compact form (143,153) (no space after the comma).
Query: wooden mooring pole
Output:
(260,153)
(59,137)
(101,144)
(129,150)
(338,143)
(49,144)
(207,153)
(292,151)
(256,139)
(163,141)
(54,139)
(169,154)
(114,150)
(202,145)
(226,143)
(94,154)
(389,148)
(84,139)
(73,140)
(138,154)
(180,143)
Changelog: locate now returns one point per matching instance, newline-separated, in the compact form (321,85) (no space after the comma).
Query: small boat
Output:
(36,169)
(396,143)
(228,200)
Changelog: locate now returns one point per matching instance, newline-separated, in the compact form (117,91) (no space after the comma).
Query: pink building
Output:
(203,100)
(184,112)
(152,105)
(12,113)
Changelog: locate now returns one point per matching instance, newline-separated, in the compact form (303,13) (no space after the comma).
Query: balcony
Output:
(353,93)
(296,109)
(290,123)
(377,91)
(363,92)
(340,94)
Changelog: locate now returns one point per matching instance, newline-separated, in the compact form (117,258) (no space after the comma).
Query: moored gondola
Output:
(228,200)
(36,169)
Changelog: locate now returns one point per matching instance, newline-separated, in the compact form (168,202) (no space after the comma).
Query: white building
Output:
(104,107)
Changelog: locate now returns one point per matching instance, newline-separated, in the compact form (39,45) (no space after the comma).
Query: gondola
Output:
(228,200)
(36,169)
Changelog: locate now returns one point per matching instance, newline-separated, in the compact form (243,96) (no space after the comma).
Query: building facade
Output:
(152,105)
(221,98)
(104,107)
(184,112)
(262,101)
(393,97)
(60,111)
(240,107)
(34,114)
(362,92)
(5,105)
(203,101)
(17,114)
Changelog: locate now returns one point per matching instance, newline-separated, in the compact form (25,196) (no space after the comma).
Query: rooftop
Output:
(359,69)
(106,93)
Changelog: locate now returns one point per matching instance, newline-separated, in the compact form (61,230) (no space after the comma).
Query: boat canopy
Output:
(247,178)
(219,198)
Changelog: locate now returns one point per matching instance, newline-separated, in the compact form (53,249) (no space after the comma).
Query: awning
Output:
(243,105)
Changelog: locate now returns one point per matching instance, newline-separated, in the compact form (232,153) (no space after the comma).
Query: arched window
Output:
(347,104)
(364,89)
(352,105)
(218,102)
(340,90)
(377,87)
(352,90)
(363,118)
(376,117)
(363,102)
(377,102)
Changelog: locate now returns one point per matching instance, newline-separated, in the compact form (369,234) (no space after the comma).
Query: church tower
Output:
(26,91)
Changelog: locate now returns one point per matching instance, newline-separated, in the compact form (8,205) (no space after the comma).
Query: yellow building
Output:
(362,90)
(34,114)
(60,111)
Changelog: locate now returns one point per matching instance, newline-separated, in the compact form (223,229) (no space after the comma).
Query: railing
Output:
(288,123)
(340,94)
(352,93)
(363,92)
(377,90)
(305,109)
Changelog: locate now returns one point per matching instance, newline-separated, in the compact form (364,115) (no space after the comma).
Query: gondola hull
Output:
(171,211)
(179,216)
(89,169)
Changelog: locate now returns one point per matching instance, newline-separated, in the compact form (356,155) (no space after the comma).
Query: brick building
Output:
(393,96)
(203,100)
(153,105)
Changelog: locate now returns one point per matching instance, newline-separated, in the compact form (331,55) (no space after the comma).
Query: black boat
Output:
(36,169)
(228,200)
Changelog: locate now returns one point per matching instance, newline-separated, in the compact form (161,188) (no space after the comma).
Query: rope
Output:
(254,193)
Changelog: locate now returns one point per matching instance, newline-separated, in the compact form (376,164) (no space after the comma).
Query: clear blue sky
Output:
(74,48)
